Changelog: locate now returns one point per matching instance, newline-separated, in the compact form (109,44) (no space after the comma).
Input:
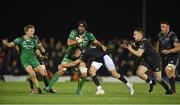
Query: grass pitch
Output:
(116,93)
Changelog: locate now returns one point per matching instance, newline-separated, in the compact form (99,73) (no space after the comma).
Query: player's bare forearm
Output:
(175,49)
(38,53)
(41,48)
(98,43)
(71,42)
(138,52)
(72,64)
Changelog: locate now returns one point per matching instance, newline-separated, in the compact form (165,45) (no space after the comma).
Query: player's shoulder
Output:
(19,38)
(172,34)
(144,41)
(74,31)
(89,33)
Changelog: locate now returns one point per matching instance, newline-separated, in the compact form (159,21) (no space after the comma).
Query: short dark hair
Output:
(139,30)
(26,28)
(73,50)
(83,22)
(165,22)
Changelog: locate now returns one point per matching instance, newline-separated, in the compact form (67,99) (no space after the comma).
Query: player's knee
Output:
(138,73)
(169,71)
(61,72)
(116,75)
(43,74)
(92,73)
(84,75)
(170,68)
(83,71)
(32,74)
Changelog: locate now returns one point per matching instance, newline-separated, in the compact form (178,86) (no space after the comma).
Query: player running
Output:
(28,58)
(95,57)
(77,37)
(150,60)
(41,56)
(168,47)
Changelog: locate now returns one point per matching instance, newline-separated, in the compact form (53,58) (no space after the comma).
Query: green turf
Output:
(116,93)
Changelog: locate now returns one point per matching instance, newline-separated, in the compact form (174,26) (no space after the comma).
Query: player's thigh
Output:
(157,75)
(94,67)
(170,68)
(39,70)
(27,66)
(29,69)
(82,64)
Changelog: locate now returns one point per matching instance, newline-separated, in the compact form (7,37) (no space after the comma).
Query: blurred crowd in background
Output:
(125,62)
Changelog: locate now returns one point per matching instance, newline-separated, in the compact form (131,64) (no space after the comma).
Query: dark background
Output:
(106,18)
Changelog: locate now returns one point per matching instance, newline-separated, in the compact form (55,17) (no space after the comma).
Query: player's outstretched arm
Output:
(8,44)
(41,48)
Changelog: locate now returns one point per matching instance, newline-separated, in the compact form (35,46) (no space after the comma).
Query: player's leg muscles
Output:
(82,79)
(170,72)
(111,66)
(93,68)
(92,73)
(83,69)
(158,77)
(40,70)
(32,75)
(141,72)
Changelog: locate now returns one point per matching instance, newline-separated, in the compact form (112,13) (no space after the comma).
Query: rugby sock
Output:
(172,84)
(45,80)
(123,79)
(96,81)
(148,80)
(53,80)
(81,83)
(164,84)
